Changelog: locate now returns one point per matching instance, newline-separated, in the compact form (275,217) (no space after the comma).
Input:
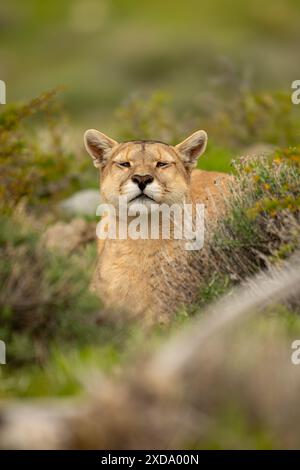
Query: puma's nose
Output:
(142,180)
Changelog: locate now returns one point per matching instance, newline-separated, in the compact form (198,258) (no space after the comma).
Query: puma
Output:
(152,277)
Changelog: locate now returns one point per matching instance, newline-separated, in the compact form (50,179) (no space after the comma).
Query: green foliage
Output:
(147,117)
(277,190)
(261,225)
(213,289)
(244,45)
(64,371)
(253,117)
(234,430)
(37,168)
(44,297)
(247,118)
(216,158)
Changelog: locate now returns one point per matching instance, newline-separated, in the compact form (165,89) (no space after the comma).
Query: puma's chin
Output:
(144,200)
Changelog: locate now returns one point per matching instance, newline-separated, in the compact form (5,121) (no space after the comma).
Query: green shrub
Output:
(148,117)
(44,297)
(36,167)
(233,122)
(262,222)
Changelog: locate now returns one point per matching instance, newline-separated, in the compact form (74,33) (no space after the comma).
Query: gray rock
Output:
(68,237)
(83,202)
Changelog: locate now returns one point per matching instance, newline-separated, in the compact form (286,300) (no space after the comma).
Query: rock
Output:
(67,237)
(83,202)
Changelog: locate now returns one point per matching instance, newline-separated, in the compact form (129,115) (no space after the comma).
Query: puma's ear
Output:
(192,147)
(99,146)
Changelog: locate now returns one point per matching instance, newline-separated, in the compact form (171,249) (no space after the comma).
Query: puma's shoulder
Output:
(210,188)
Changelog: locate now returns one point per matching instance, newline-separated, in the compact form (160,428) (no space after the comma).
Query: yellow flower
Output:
(277,160)
(267,186)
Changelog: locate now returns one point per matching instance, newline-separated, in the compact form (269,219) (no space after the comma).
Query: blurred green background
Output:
(146,70)
(104,52)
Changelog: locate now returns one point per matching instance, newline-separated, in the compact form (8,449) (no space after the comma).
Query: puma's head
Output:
(147,172)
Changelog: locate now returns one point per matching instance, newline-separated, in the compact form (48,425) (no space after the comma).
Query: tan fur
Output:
(152,277)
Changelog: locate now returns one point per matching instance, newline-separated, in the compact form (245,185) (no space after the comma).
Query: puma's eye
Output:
(162,164)
(124,164)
